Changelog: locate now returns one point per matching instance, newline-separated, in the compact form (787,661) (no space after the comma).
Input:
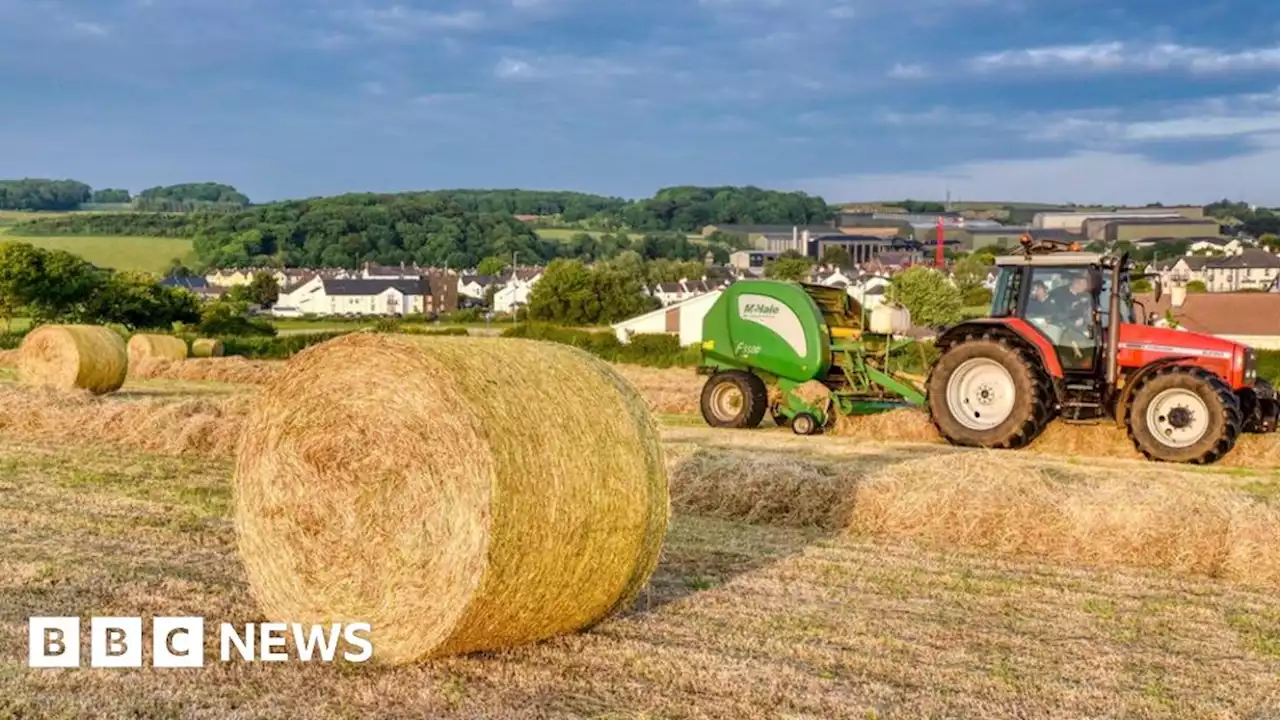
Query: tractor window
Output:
(1126,301)
(1008,287)
(1059,306)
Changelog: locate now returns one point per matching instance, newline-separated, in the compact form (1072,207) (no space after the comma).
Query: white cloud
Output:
(588,69)
(90,28)
(1228,116)
(907,71)
(401,20)
(1121,56)
(1084,177)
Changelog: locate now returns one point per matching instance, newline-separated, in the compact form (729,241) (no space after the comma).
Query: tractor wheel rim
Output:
(980,394)
(1178,418)
(726,401)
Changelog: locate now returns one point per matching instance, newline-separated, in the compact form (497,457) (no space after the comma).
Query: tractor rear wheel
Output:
(734,399)
(1184,414)
(986,392)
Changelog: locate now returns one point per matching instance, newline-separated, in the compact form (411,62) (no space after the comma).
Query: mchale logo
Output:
(757,309)
(178,642)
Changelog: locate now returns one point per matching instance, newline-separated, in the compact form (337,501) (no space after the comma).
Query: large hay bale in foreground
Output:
(67,357)
(206,347)
(460,494)
(144,347)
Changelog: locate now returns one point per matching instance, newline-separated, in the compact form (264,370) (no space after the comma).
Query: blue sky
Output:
(1038,100)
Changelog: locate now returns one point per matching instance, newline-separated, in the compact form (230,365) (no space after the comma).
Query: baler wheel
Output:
(734,399)
(804,424)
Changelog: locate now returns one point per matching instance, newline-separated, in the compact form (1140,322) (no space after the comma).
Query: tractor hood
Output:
(1233,361)
(1173,341)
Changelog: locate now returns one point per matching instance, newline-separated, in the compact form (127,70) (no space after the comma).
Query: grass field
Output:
(147,254)
(756,610)
(563,234)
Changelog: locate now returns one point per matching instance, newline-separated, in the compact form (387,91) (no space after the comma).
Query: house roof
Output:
(772,229)
(1251,258)
(375,286)
(1195,262)
(191,283)
(1238,313)
(1156,220)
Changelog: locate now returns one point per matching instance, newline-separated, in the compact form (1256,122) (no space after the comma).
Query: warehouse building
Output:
(1131,229)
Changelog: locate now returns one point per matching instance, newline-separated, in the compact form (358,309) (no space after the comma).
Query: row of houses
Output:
(1241,269)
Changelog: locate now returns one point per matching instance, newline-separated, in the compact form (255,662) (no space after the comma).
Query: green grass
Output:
(147,254)
(564,234)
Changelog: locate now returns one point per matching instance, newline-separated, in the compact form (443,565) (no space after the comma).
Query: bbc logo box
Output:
(115,642)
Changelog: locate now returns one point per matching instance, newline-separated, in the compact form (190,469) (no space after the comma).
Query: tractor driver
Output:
(1072,304)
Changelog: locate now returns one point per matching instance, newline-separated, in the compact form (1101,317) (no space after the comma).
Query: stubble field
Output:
(874,574)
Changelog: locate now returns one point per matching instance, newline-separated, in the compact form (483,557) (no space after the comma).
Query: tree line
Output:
(432,229)
(45,195)
(57,286)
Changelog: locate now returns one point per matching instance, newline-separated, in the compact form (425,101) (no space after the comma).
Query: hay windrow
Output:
(68,357)
(206,347)
(460,494)
(202,427)
(145,346)
(666,390)
(217,369)
(998,503)
(9,358)
(1059,438)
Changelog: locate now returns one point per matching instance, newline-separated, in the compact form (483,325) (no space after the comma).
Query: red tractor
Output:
(1062,342)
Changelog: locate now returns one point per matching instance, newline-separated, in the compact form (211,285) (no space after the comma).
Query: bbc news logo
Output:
(179,642)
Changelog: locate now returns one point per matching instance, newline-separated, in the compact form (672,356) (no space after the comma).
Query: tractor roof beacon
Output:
(1062,342)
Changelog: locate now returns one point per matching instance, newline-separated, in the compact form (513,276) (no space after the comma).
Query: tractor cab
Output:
(1065,295)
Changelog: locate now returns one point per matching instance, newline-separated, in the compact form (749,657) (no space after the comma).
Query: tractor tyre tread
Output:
(1215,444)
(1034,405)
(755,399)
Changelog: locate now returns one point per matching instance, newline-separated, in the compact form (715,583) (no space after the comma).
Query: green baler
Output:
(796,338)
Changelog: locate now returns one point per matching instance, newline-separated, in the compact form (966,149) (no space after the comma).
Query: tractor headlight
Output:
(1250,366)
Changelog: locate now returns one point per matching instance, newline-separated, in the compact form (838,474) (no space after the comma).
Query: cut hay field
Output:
(870,575)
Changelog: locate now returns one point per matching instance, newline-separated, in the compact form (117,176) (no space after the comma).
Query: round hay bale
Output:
(87,357)
(206,347)
(143,346)
(459,494)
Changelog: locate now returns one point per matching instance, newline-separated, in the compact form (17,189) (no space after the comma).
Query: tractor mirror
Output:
(1095,281)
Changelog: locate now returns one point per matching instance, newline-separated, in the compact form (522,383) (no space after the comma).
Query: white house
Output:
(682,319)
(355,296)
(831,277)
(1217,246)
(474,286)
(514,294)
(868,290)
(1248,270)
(671,293)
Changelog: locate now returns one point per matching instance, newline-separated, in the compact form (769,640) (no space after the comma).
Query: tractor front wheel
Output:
(986,392)
(734,399)
(1184,414)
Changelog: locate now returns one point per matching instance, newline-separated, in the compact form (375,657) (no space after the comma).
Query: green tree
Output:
(1141,285)
(932,300)
(837,256)
(264,289)
(1196,286)
(492,265)
(790,265)
(1270,241)
(46,284)
(137,301)
(969,273)
(111,196)
(566,294)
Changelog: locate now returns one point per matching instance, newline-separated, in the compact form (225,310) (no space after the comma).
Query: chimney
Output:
(1178,295)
